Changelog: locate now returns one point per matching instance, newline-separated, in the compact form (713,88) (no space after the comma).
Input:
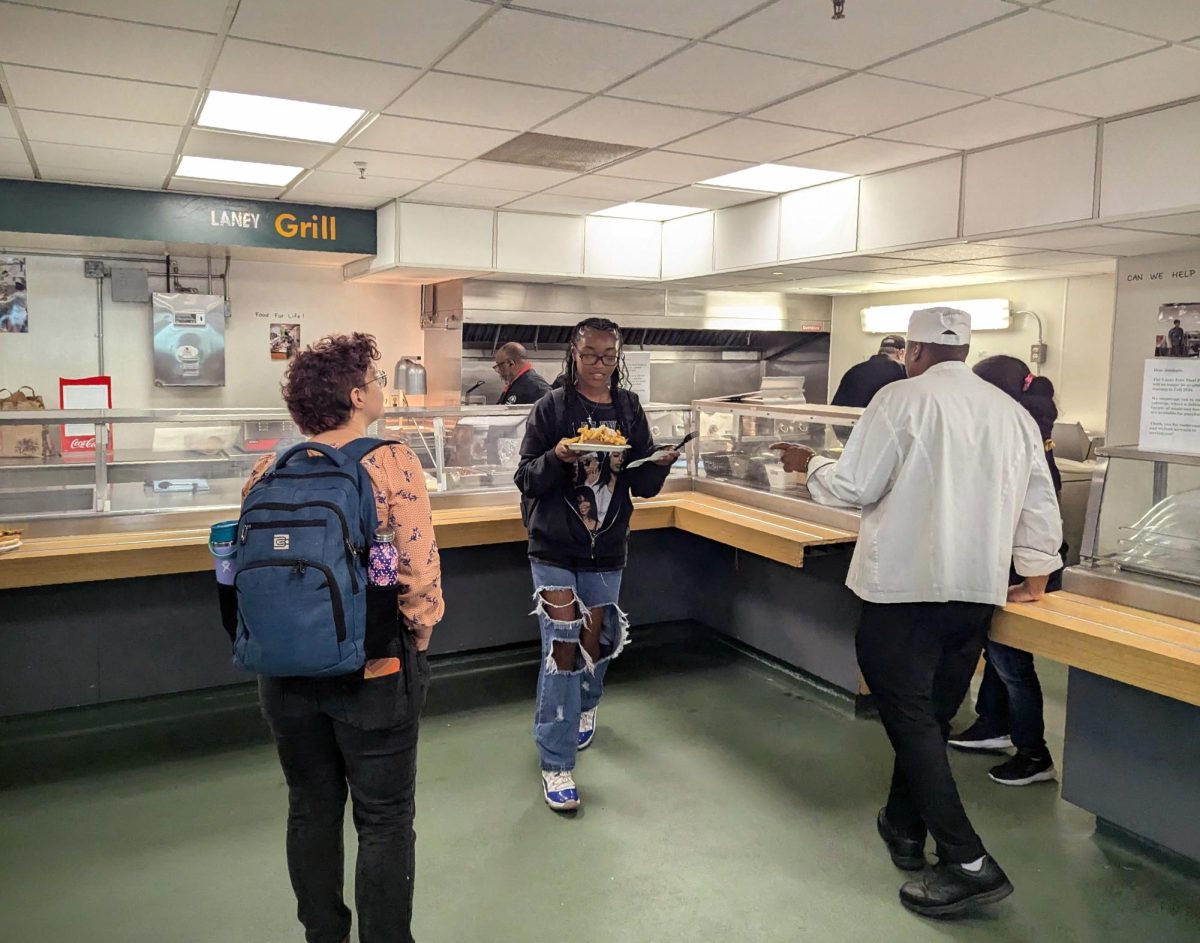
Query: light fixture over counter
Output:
(987,314)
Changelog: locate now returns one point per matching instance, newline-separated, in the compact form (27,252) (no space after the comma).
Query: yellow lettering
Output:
(333,229)
(285,225)
(324,227)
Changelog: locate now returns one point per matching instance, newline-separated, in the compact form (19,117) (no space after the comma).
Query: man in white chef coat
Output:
(952,480)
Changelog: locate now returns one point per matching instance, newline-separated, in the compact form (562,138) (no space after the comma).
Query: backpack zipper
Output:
(257,525)
(350,548)
(335,598)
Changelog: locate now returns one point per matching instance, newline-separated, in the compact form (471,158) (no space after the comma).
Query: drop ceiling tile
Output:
(498,176)
(1045,260)
(706,198)
(99,159)
(672,168)
(1094,267)
(1186,224)
(383,164)
(1160,244)
(1130,85)
(873,30)
(545,50)
(204,15)
(263,69)
(485,102)
(988,122)
(413,136)
(868,263)
(707,76)
(958,252)
(861,104)
(114,48)
(232,190)
(759,141)
(1085,237)
(15,169)
(56,128)
(1167,19)
(340,190)
(556,203)
(139,179)
(410,32)
(463,196)
(8,128)
(204,143)
(1021,50)
(48,90)
(610,189)
(691,18)
(629,122)
(866,156)
(947,268)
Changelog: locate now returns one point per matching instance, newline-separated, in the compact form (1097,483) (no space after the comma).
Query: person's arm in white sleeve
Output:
(865,471)
(1038,535)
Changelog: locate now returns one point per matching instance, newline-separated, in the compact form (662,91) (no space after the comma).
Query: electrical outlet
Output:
(93,268)
(1037,353)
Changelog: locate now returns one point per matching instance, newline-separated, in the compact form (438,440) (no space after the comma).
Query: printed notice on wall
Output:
(1171,406)
(637,362)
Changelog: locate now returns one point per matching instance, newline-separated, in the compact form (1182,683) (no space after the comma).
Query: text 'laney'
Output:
(319,227)
(239,220)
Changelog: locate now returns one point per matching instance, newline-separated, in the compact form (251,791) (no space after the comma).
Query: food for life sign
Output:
(1171,406)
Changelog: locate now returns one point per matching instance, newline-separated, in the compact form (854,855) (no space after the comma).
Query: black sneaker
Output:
(1024,768)
(908,854)
(950,890)
(979,738)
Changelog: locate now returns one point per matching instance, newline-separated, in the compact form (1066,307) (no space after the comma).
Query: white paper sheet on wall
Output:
(637,363)
(1171,406)
(83,397)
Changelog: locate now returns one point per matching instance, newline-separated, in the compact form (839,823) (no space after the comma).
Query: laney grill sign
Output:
(159,216)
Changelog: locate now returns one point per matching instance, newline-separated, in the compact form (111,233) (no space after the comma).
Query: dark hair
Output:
(618,380)
(1010,375)
(318,382)
(584,493)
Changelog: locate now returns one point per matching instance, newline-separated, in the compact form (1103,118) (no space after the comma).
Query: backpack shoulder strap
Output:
(360,448)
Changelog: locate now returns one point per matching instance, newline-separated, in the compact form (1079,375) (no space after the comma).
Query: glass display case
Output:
(1141,540)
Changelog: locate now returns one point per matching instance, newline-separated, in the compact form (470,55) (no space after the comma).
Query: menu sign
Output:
(1171,406)
(637,365)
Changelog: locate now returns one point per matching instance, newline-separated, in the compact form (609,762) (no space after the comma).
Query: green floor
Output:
(721,802)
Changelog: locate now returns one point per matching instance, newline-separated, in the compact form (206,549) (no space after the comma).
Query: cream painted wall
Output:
(62,325)
(1077,319)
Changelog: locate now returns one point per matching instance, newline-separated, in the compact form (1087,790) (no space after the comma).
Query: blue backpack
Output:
(301,581)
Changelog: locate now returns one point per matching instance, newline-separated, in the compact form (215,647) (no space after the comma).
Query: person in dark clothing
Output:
(1176,338)
(522,384)
(1009,706)
(577,504)
(864,380)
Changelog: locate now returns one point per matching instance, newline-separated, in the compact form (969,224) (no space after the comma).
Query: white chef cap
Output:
(948,326)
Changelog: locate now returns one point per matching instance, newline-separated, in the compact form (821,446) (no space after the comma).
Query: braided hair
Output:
(619,379)
(1036,394)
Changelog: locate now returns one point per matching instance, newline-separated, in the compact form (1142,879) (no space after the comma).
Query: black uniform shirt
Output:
(864,380)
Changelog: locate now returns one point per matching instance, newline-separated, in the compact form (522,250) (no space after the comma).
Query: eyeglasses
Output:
(590,360)
(380,378)
(502,363)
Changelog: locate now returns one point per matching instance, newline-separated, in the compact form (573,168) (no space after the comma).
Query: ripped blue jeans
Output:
(563,695)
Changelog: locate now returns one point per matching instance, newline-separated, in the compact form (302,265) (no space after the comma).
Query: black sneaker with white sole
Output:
(1024,768)
(977,737)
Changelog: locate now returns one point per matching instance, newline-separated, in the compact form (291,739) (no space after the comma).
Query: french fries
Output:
(597,435)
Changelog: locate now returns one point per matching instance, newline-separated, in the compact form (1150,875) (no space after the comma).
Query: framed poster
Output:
(189,339)
(14,297)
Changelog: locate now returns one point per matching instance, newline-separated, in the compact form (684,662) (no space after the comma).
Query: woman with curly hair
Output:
(357,734)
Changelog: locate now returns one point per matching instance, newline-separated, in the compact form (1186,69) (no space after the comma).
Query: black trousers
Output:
(918,660)
(348,735)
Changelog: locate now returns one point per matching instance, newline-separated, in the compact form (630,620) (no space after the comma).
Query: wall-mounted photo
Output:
(1177,332)
(189,340)
(285,341)
(14,297)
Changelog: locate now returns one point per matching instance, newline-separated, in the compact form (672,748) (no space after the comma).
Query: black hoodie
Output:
(562,530)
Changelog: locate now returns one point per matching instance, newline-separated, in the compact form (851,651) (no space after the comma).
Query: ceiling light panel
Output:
(236,171)
(773,178)
(659,212)
(277,117)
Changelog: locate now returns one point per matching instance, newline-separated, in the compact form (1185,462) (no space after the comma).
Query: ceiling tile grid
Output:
(759,141)
(630,122)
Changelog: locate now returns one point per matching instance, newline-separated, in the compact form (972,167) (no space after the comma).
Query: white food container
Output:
(780,479)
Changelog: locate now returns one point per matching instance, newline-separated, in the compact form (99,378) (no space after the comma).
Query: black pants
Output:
(339,735)
(918,660)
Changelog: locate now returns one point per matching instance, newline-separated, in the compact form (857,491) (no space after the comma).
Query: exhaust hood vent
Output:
(484,336)
(558,153)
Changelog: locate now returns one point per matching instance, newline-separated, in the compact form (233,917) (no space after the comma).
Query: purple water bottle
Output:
(383,561)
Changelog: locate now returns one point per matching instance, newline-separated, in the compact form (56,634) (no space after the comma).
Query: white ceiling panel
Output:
(340,190)
(16,169)
(988,122)
(1166,19)
(464,196)
(629,122)
(409,32)
(867,156)
(8,128)
(262,69)
(103,47)
(485,102)
(672,168)
(48,90)
(413,136)
(1160,244)
(203,143)
(1022,50)
(689,18)
(1130,85)
(546,50)
(762,142)
(861,104)
(957,252)
(109,177)
(556,203)
(873,30)
(205,15)
(100,132)
(705,198)
(382,164)
(499,176)
(868,263)
(54,157)
(1185,224)
(613,190)
(1086,237)
(947,268)
(232,190)
(707,76)
(1046,260)
(1094,267)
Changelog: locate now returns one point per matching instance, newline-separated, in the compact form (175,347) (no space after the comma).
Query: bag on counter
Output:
(25,441)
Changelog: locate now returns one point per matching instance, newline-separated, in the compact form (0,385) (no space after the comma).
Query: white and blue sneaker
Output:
(587,728)
(558,786)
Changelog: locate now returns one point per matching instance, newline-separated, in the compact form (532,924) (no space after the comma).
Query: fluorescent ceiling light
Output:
(276,117)
(655,211)
(773,178)
(987,314)
(236,171)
